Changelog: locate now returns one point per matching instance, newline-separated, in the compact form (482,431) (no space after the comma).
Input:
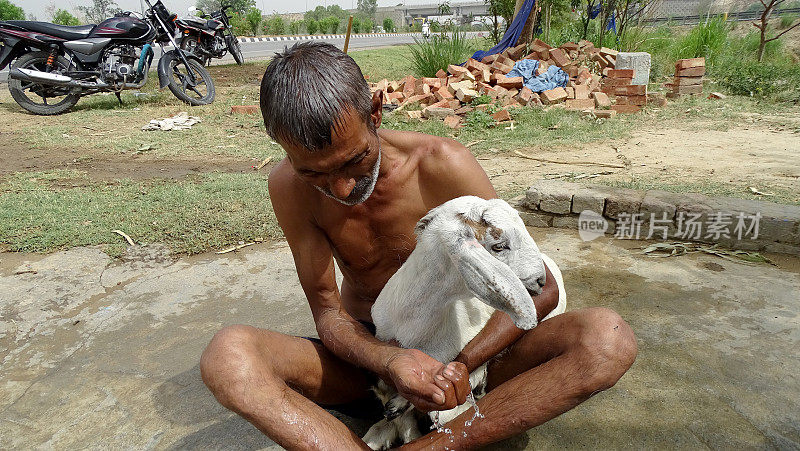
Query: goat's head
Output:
(496,256)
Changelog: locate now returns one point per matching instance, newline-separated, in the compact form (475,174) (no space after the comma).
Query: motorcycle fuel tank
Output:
(124,28)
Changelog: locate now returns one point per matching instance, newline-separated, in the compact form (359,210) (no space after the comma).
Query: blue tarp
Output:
(512,33)
(612,22)
(551,79)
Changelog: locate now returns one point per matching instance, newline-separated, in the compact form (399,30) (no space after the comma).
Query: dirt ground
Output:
(760,153)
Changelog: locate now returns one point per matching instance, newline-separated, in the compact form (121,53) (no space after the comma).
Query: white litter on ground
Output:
(181,121)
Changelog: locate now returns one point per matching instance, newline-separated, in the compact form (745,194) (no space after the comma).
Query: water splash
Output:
(439,427)
(477,414)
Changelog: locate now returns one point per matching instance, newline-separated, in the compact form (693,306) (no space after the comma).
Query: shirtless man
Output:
(352,191)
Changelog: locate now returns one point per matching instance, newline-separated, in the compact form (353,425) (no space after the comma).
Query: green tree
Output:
(10,11)
(237,6)
(63,17)
(253,19)
(388,25)
(367,7)
(312,26)
(294,26)
(99,11)
(356,25)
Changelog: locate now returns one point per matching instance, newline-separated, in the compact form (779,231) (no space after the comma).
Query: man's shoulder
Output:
(437,154)
(447,167)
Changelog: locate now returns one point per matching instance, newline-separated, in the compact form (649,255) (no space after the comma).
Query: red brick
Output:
(691,72)
(620,73)
(489,59)
(657,99)
(525,95)
(539,43)
(552,96)
(443,94)
(464,110)
(511,82)
(496,77)
(437,112)
(580,104)
(441,74)
(601,100)
(689,63)
(457,70)
(245,109)
(616,82)
(581,92)
(500,67)
(516,52)
(687,81)
(452,121)
(559,57)
(691,89)
(632,100)
(569,46)
(626,109)
(502,116)
(605,51)
(631,90)
(570,92)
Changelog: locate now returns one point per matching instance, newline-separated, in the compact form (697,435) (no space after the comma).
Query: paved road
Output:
(265,48)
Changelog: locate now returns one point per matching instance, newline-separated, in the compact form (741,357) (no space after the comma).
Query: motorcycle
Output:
(208,36)
(53,66)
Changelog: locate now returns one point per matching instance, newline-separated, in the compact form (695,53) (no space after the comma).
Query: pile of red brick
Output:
(688,78)
(592,79)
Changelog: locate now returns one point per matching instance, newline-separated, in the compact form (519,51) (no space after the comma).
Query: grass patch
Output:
(532,128)
(392,63)
(190,216)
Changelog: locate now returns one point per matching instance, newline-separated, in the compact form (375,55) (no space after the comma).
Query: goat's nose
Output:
(541,280)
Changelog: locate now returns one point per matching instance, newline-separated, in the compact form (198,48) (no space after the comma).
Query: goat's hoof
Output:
(381,435)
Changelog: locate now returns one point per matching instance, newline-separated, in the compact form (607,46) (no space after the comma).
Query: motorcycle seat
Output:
(67,32)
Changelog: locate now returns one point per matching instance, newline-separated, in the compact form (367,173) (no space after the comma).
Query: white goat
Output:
(472,256)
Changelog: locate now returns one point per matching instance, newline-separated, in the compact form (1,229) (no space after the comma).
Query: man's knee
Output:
(230,362)
(607,347)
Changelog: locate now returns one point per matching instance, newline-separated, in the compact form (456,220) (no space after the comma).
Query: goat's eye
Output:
(499,247)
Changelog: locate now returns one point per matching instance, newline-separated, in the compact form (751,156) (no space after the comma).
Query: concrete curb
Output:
(752,225)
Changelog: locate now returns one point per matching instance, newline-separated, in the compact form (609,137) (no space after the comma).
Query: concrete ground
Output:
(101,353)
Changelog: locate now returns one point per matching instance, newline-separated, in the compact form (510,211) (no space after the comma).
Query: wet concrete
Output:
(101,353)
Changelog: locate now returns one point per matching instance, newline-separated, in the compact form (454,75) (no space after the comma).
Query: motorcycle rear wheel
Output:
(201,92)
(234,48)
(27,93)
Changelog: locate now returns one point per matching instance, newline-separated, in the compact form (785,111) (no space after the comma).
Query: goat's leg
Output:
(407,425)
(381,435)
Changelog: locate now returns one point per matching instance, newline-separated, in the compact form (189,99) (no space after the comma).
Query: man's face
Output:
(345,171)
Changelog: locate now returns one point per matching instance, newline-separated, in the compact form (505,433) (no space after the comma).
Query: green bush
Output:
(294,27)
(253,19)
(388,25)
(777,81)
(275,25)
(706,39)
(356,25)
(438,52)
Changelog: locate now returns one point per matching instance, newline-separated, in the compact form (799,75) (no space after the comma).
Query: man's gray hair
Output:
(305,91)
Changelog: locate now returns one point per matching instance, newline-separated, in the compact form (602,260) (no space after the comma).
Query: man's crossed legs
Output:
(278,382)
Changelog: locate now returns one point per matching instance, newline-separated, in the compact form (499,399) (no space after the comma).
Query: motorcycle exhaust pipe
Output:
(48,78)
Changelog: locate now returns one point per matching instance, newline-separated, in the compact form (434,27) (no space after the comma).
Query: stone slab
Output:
(639,62)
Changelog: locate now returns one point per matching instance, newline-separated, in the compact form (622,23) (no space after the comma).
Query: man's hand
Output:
(426,382)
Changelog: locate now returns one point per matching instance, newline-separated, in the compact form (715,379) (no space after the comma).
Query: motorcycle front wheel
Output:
(39,98)
(198,92)
(233,47)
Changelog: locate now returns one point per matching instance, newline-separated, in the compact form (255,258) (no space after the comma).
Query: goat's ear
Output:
(494,283)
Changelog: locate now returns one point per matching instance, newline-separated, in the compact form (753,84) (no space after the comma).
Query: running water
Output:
(440,427)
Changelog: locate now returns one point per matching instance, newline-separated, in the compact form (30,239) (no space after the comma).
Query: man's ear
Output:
(377,108)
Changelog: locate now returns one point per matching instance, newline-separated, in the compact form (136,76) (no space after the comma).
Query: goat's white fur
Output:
(449,286)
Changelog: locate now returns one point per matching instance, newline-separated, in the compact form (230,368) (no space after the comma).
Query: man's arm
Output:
(453,171)
(411,371)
